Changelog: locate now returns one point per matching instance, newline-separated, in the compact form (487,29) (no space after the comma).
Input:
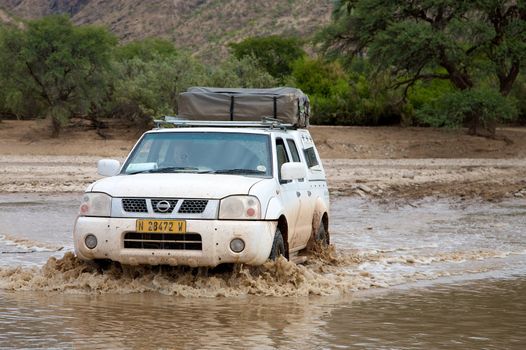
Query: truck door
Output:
(307,202)
(289,193)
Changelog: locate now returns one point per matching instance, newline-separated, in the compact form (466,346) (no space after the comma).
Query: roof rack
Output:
(266,122)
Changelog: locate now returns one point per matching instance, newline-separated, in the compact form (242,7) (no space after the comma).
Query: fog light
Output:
(237,245)
(91,241)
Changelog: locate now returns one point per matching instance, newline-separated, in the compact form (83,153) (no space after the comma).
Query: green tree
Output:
(147,82)
(316,77)
(327,86)
(472,44)
(274,53)
(244,72)
(518,92)
(146,87)
(452,109)
(146,49)
(340,97)
(62,67)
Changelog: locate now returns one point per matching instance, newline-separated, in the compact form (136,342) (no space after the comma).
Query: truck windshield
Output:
(201,152)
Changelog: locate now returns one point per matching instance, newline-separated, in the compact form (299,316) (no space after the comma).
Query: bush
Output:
(338,97)
(244,72)
(481,108)
(59,68)
(274,54)
(326,85)
(146,49)
(143,89)
(423,95)
(518,93)
(148,87)
(372,101)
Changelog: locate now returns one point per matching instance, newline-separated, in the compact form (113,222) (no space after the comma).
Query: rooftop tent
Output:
(286,104)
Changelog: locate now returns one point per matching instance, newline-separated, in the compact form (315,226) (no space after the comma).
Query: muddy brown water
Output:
(427,274)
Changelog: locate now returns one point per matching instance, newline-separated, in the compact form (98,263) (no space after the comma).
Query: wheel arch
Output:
(274,209)
(320,216)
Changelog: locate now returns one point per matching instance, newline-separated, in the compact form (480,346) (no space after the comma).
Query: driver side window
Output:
(282,157)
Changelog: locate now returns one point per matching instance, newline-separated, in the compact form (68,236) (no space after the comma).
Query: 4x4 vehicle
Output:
(207,193)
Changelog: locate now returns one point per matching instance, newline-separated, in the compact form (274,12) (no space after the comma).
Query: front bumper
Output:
(216,236)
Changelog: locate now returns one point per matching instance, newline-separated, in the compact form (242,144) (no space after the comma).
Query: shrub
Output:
(518,93)
(143,89)
(146,49)
(480,108)
(274,53)
(338,97)
(244,72)
(56,66)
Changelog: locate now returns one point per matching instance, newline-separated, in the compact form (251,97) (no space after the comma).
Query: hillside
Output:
(202,26)
(6,18)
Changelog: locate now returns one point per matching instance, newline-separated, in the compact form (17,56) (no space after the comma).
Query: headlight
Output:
(240,207)
(95,204)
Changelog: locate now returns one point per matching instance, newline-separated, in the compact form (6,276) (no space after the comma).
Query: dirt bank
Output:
(337,142)
(377,162)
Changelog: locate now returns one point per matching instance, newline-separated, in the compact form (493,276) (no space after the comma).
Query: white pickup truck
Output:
(204,194)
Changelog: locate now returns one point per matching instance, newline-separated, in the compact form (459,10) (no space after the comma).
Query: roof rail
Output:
(266,122)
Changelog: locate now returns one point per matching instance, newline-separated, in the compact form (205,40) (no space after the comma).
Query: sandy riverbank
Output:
(376,162)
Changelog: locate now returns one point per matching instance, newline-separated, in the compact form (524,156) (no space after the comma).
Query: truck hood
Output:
(214,186)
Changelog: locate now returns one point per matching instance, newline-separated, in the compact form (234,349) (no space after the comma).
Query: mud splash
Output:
(279,278)
(327,272)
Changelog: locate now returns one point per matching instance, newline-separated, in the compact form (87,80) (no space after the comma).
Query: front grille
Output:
(173,203)
(172,241)
(134,205)
(193,206)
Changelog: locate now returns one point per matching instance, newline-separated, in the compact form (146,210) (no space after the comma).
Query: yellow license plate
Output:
(160,226)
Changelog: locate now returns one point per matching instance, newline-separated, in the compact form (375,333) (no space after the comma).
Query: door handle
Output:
(298,194)
(309,193)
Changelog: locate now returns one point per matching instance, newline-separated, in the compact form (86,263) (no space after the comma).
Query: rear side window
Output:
(310,157)
(293,150)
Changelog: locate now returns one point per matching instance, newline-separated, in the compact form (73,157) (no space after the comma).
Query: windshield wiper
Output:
(169,169)
(239,171)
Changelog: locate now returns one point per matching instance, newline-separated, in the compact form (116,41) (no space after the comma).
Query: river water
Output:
(426,274)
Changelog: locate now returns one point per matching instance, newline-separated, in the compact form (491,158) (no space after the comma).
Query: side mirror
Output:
(293,171)
(108,167)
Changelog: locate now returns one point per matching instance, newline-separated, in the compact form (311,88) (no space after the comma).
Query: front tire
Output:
(322,235)
(278,246)
(100,264)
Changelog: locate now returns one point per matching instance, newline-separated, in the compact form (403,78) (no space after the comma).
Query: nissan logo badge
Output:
(163,206)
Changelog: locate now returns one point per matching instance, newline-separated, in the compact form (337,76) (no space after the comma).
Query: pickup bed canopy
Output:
(286,104)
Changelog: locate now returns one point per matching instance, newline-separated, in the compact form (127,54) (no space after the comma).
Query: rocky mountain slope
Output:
(202,26)
(6,17)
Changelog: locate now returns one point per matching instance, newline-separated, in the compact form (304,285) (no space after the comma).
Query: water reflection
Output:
(152,320)
(479,314)
(489,314)
(394,245)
